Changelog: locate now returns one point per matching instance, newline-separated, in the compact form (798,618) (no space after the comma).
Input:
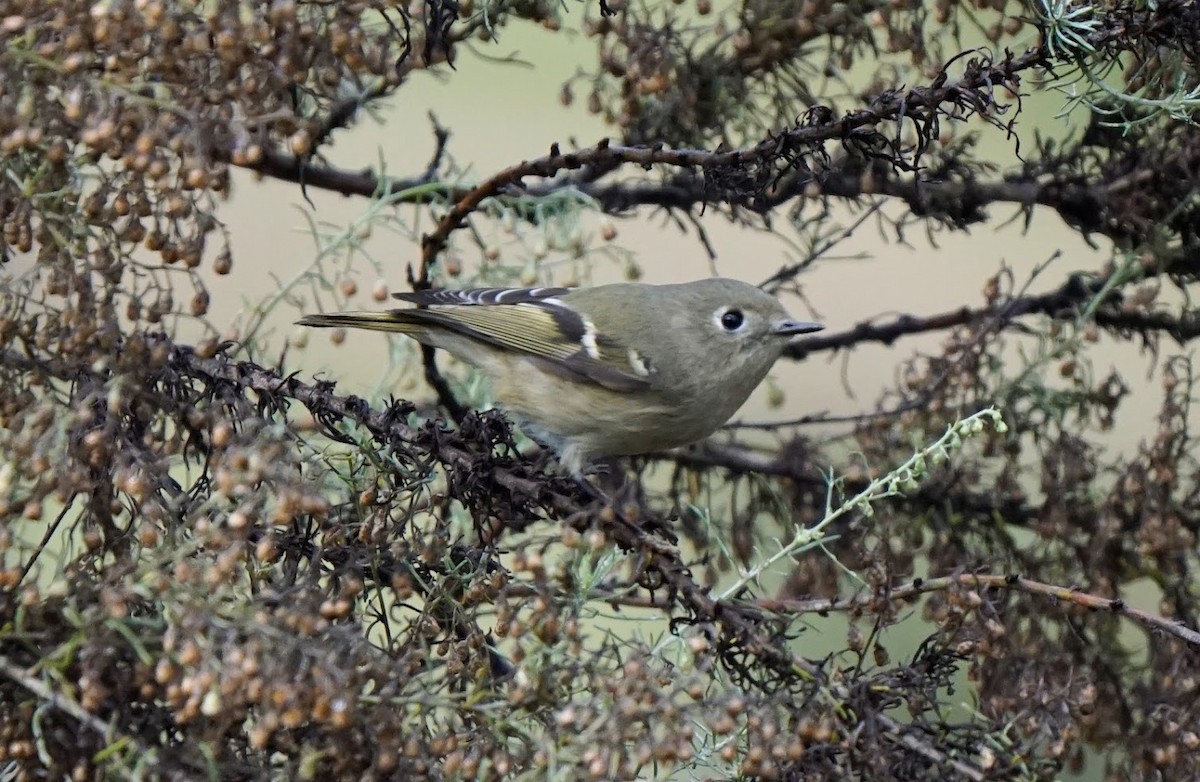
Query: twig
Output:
(445,395)
(64,704)
(854,128)
(922,586)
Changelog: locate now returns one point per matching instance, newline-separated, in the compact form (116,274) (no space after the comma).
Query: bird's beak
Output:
(789,328)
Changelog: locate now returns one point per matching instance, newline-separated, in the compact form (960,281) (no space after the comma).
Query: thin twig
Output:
(923,586)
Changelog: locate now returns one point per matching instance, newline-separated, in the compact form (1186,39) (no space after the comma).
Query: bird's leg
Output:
(590,490)
(606,480)
(539,456)
(609,473)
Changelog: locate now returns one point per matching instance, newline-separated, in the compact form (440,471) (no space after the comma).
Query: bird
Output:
(607,371)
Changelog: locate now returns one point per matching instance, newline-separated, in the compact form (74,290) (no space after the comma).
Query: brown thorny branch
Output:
(1063,303)
(703,174)
(767,162)
(871,601)
(744,634)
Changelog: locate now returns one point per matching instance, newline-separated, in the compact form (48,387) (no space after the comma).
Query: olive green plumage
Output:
(607,371)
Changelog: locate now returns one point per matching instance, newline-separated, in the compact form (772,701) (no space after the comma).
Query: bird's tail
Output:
(396,321)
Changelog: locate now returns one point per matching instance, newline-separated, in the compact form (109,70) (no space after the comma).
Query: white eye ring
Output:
(729,319)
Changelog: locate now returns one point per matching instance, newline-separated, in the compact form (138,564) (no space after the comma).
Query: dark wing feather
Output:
(559,338)
(479,296)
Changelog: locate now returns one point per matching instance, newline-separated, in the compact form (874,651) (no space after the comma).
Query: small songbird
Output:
(613,370)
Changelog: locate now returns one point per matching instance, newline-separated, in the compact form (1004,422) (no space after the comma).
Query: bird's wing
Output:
(479,296)
(534,323)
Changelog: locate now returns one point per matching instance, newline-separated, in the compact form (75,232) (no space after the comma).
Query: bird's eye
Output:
(732,320)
